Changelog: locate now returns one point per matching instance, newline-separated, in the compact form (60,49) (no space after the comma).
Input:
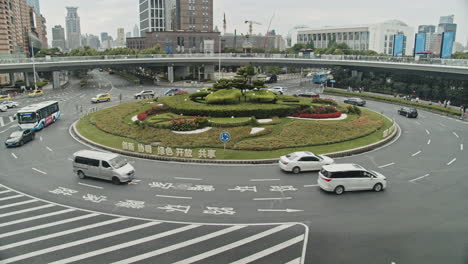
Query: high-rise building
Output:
(91,41)
(152,16)
(194,15)
(120,37)
(104,36)
(58,38)
(34,4)
(136,31)
(446,25)
(426,29)
(73,28)
(446,19)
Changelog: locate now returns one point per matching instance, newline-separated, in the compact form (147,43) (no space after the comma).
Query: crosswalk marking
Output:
(25,230)
(233,245)
(26,210)
(1,121)
(79,242)
(67,232)
(124,245)
(15,204)
(269,251)
(11,197)
(22,220)
(294,261)
(179,245)
(5,191)
(11,119)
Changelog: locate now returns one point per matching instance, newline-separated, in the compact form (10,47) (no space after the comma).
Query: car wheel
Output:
(115,180)
(81,175)
(21,143)
(378,187)
(339,190)
(296,170)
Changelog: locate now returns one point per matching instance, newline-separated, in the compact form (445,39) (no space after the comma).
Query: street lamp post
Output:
(34,66)
(219,66)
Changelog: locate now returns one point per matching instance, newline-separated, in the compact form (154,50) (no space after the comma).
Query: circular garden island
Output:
(262,125)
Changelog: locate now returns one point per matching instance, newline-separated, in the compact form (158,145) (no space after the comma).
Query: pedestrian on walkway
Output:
(448,103)
(445,103)
(440,104)
(462,111)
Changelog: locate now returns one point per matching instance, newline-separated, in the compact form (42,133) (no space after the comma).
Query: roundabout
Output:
(272,216)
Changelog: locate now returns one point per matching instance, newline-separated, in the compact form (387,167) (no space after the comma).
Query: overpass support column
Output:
(26,79)
(55,80)
(170,74)
(209,72)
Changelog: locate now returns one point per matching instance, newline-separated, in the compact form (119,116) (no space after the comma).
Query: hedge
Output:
(261,96)
(225,96)
(318,116)
(393,100)
(252,121)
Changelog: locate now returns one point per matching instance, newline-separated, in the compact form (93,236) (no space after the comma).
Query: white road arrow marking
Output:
(280,210)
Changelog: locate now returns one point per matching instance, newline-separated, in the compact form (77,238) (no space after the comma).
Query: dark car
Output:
(408,112)
(18,138)
(173,91)
(309,94)
(271,79)
(355,101)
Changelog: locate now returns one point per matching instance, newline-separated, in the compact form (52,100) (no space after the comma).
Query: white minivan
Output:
(339,178)
(107,166)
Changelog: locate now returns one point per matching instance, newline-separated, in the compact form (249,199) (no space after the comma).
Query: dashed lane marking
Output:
(89,185)
(413,180)
(427,132)
(272,199)
(190,179)
(461,147)
(257,180)
(456,135)
(14,156)
(174,197)
(313,185)
(415,154)
(39,171)
(429,142)
(451,162)
(386,165)
(1,121)
(49,149)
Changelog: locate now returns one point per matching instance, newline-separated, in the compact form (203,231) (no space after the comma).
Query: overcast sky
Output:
(107,15)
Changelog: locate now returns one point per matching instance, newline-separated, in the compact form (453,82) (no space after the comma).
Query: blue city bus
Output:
(320,77)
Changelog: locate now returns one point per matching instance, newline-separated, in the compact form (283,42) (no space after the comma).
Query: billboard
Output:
(420,43)
(448,38)
(398,45)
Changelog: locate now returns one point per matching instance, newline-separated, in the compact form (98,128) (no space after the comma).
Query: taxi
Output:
(36,93)
(5,97)
(105,97)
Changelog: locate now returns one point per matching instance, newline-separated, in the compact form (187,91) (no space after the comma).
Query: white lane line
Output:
(92,186)
(313,185)
(14,156)
(5,191)
(257,180)
(26,210)
(427,132)
(174,197)
(1,121)
(35,217)
(190,179)
(418,123)
(39,171)
(455,134)
(272,199)
(40,238)
(386,165)
(70,159)
(49,149)
(413,180)
(429,142)
(11,119)
(40,138)
(461,147)
(232,245)
(19,203)
(269,251)
(442,125)
(295,261)
(11,197)
(452,161)
(129,244)
(417,153)
(25,230)
(81,96)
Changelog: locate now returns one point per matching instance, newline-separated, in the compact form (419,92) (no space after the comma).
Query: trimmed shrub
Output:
(324,101)
(318,116)
(142,116)
(261,96)
(199,95)
(225,96)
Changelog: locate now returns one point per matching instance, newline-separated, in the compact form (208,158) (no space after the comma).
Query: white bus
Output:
(37,116)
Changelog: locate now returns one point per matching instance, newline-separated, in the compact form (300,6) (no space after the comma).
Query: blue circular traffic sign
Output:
(224,137)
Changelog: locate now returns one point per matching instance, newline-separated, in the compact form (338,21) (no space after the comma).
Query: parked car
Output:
(3,108)
(18,138)
(10,104)
(36,93)
(144,94)
(173,91)
(271,79)
(339,178)
(102,165)
(355,101)
(303,161)
(5,97)
(105,97)
(277,90)
(408,112)
(309,94)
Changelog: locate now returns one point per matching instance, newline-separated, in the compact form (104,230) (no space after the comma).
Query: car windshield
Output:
(15,134)
(27,118)
(118,162)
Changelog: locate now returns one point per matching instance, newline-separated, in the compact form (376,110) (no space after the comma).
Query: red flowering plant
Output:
(188,124)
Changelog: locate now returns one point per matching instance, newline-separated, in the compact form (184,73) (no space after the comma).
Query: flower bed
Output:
(159,109)
(324,101)
(318,116)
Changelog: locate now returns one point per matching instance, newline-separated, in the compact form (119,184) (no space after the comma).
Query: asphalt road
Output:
(421,218)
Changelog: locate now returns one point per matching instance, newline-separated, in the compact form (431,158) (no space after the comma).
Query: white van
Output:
(107,166)
(339,178)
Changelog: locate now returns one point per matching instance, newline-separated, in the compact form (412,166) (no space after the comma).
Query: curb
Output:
(76,135)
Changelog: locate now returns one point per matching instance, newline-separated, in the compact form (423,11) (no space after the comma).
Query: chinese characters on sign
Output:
(170,152)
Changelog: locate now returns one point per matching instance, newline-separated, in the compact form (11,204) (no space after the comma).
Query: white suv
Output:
(339,178)
(144,94)
(277,90)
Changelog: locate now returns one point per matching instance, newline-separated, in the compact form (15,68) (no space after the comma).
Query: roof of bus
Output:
(36,106)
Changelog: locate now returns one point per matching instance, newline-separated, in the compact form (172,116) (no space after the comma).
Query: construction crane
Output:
(250,22)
